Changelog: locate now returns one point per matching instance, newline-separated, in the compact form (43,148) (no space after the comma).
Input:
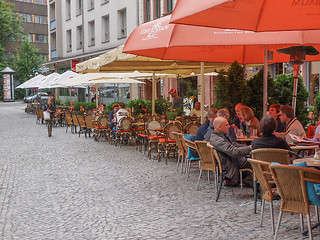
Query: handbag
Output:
(46,115)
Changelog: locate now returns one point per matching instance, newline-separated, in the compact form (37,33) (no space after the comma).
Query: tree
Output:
(26,60)
(10,25)
(256,98)
(284,91)
(232,89)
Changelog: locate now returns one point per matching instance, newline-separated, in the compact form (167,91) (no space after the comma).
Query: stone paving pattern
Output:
(68,187)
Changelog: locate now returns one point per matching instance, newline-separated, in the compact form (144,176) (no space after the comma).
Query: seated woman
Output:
(268,139)
(274,111)
(249,121)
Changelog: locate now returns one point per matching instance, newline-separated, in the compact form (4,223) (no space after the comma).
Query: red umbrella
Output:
(162,40)
(254,15)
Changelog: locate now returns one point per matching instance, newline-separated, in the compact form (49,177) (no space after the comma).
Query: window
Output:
(79,7)
(69,41)
(26,17)
(68,10)
(91,34)
(90,4)
(40,2)
(39,38)
(148,11)
(79,37)
(105,29)
(40,19)
(122,16)
(30,37)
(169,5)
(157,9)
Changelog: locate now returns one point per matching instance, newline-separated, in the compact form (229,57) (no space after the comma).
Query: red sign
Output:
(93,90)
(73,65)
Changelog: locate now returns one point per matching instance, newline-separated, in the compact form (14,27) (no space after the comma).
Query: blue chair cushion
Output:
(312,188)
(192,153)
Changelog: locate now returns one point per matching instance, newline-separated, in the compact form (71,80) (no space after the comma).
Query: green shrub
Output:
(67,102)
(58,102)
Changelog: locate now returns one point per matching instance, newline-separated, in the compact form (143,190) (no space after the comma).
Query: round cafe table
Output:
(311,162)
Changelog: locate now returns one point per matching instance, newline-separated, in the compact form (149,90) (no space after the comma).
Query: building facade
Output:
(34,22)
(82,29)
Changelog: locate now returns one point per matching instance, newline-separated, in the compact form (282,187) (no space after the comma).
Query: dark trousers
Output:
(49,123)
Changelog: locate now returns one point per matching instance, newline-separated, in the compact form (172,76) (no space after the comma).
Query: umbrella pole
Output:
(202,92)
(153,93)
(265,81)
(97,96)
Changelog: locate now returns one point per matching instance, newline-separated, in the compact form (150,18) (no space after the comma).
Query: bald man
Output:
(232,155)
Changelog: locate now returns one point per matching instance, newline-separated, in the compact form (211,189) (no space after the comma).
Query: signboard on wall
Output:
(73,65)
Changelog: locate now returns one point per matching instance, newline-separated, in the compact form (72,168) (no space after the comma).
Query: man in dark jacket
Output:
(268,139)
(231,154)
(202,130)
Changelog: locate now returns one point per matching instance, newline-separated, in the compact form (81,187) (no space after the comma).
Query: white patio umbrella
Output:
(31,81)
(49,80)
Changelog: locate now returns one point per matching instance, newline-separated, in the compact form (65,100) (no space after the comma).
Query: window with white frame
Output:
(30,37)
(122,16)
(90,4)
(40,2)
(105,29)
(40,19)
(91,33)
(40,38)
(78,7)
(68,9)
(79,37)
(69,40)
(25,17)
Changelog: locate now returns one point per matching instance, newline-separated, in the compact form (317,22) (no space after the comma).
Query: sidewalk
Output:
(67,188)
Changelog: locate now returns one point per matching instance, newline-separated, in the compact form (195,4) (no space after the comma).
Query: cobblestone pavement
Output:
(66,187)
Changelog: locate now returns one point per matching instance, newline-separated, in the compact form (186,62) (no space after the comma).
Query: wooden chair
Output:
(151,134)
(215,155)
(181,149)
(82,124)
(89,125)
(262,173)
(75,121)
(138,127)
(166,139)
(192,127)
(291,184)
(69,121)
(101,128)
(221,176)
(193,146)
(125,129)
(208,161)
(281,156)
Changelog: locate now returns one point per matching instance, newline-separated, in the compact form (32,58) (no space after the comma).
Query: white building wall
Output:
(111,7)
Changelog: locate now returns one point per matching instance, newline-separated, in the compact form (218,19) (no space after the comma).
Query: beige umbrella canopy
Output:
(117,61)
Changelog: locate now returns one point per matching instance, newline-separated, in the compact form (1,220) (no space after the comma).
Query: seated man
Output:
(231,134)
(293,126)
(196,111)
(231,154)
(202,130)
(268,139)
